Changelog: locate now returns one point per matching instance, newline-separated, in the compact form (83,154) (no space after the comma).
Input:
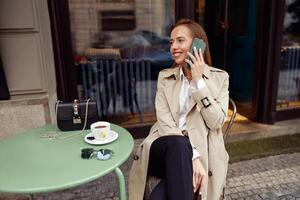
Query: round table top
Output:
(30,163)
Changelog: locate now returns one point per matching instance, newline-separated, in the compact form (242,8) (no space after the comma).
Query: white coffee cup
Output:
(100,130)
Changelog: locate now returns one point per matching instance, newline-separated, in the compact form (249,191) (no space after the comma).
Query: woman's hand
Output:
(197,64)
(198,175)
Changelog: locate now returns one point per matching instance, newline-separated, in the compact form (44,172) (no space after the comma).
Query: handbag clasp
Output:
(76,117)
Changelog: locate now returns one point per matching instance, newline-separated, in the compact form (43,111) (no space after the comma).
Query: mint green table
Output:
(30,163)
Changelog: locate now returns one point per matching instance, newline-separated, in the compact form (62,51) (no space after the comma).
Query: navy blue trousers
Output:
(171,160)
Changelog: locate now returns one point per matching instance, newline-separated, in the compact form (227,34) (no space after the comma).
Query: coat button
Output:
(135,157)
(209,173)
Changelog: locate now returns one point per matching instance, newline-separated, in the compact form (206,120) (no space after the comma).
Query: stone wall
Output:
(19,115)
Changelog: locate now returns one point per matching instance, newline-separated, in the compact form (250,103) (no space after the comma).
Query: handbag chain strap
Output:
(56,111)
(86,114)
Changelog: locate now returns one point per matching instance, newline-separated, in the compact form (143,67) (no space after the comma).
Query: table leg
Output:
(122,187)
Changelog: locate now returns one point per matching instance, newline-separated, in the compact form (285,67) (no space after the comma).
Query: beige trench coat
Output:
(203,125)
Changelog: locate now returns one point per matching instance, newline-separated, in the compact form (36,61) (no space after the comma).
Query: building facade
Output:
(112,50)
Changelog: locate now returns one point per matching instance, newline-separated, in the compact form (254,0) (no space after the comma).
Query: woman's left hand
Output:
(197,64)
(198,175)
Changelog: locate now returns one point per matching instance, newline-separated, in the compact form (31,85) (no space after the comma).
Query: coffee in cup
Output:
(100,130)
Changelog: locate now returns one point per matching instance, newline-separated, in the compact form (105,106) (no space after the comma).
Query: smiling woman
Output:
(180,42)
(191,107)
(184,36)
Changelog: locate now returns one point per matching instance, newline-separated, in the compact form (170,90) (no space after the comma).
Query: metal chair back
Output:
(234,111)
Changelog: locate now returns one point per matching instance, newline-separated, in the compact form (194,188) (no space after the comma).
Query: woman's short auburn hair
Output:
(198,32)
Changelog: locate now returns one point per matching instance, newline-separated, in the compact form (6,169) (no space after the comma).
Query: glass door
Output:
(241,52)
(119,47)
(231,29)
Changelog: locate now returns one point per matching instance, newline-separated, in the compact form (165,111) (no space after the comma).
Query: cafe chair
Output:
(153,181)
(232,106)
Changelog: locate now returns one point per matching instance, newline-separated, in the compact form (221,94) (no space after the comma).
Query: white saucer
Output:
(112,136)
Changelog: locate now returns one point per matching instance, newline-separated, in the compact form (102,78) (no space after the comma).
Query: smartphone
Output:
(199,44)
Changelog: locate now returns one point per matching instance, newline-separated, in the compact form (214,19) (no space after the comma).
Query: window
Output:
(119,48)
(288,95)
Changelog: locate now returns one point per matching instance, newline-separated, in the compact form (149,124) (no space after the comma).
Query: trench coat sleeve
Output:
(166,122)
(216,113)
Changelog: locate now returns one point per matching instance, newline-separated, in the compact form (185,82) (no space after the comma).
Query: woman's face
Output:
(180,43)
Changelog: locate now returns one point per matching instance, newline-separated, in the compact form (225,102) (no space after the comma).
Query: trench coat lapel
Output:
(192,103)
(172,91)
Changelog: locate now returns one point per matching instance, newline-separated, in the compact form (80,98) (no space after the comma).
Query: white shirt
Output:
(185,93)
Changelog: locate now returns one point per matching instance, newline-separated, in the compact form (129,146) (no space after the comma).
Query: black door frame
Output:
(62,49)
(269,38)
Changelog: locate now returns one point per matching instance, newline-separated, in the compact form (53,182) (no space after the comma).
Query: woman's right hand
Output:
(198,175)
(197,64)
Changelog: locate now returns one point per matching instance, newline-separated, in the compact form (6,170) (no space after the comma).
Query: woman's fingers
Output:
(197,181)
(189,62)
(198,176)
(197,58)
(197,54)
(202,184)
(201,56)
(195,184)
(192,57)
(194,181)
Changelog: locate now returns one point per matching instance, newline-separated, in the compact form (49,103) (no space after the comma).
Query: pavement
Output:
(245,129)
(273,177)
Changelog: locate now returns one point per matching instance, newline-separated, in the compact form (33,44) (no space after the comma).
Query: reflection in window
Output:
(117,20)
(289,76)
(200,12)
(119,48)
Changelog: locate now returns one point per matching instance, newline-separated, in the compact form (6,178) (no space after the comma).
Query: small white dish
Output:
(112,136)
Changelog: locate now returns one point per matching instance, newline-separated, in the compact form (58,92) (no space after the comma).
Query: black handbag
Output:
(76,115)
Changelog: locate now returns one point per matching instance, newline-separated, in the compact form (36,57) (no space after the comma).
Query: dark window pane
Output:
(289,75)
(119,47)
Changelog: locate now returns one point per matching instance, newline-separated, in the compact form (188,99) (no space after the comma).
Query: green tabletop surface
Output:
(31,164)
